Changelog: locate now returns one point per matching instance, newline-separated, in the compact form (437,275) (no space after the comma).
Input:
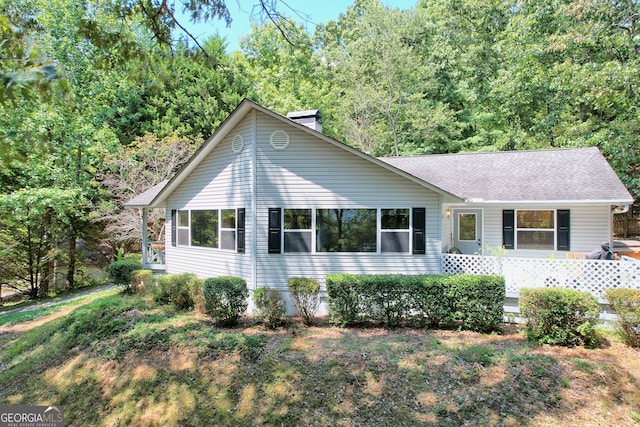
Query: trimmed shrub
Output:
(304,296)
(424,300)
(344,299)
(626,304)
(270,306)
(225,298)
(121,271)
(478,300)
(559,316)
(175,289)
(432,305)
(140,280)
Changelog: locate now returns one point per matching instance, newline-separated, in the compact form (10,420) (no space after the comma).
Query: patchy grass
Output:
(121,360)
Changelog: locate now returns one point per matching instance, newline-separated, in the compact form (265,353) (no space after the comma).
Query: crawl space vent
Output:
(279,140)
(238,144)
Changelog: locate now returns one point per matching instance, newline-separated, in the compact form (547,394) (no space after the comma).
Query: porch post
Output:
(145,263)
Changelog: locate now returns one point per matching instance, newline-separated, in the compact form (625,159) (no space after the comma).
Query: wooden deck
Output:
(630,248)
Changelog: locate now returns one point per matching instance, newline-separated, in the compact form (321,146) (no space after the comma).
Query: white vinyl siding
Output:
(312,173)
(589,226)
(222,181)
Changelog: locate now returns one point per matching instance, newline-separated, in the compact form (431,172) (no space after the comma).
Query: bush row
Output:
(423,300)
(552,315)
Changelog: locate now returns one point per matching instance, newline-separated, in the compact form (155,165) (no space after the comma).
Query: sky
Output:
(310,13)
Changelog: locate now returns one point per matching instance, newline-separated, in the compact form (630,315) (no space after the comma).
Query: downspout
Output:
(618,209)
(254,200)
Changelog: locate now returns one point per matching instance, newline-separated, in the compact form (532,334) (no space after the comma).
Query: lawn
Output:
(121,360)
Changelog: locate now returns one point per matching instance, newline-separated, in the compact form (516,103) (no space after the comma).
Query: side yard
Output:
(114,359)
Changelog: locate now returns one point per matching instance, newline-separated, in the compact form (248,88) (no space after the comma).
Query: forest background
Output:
(101,99)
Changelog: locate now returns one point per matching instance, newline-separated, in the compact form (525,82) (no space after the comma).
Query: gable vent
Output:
(237,144)
(279,140)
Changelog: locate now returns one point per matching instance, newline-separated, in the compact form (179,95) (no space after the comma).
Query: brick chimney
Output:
(309,118)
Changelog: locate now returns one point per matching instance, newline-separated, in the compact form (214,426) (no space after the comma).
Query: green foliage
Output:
(626,304)
(304,296)
(559,316)
(270,306)
(225,298)
(121,272)
(425,300)
(479,300)
(182,291)
(140,280)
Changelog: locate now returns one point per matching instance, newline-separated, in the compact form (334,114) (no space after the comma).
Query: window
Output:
(467,227)
(211,228)
(536,229)
(346,230)
(394,230)
(183,228)
(297,230)
(204,228)
(400,230)
(228,229)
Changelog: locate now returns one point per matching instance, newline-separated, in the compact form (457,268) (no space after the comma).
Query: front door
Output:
(467,230)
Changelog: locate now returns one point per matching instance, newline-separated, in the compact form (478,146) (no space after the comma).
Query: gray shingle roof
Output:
(580,174)
(143,200)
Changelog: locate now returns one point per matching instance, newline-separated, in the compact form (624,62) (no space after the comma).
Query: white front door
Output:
(467,230)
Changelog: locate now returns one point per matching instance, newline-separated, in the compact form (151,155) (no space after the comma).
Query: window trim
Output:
(517,229)
(416,232)
(239,229)
(561,231)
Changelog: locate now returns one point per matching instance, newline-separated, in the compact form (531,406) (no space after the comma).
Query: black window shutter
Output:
(563,230)
(419,227)
(508,229)
(275,230)
(174,226)
(240,229)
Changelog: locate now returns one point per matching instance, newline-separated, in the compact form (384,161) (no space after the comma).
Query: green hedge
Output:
(423,300)
(559,316)
(626,304)
(225,298)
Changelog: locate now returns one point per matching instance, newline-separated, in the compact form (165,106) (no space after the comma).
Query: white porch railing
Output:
(594,276)
(155,253)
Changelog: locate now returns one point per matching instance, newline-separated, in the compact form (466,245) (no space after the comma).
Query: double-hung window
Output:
(183,228)
(394,230)
(297,230)
(535,229)
(228,229)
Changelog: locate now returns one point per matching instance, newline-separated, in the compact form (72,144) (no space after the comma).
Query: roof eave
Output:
(611,202)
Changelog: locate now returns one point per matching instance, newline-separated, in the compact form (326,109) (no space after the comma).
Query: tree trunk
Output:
(71,268)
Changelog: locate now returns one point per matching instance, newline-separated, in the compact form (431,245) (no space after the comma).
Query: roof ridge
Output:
(506,152)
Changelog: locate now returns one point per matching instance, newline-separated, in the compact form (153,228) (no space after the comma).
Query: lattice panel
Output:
(594,276)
